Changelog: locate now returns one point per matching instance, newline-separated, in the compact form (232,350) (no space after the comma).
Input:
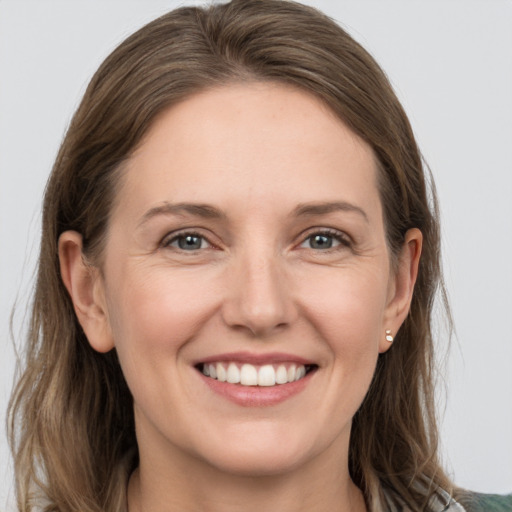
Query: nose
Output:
(259,296)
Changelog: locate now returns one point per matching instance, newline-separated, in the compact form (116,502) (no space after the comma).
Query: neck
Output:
(188,485)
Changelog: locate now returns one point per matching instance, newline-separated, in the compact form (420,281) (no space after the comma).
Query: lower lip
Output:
(257,396)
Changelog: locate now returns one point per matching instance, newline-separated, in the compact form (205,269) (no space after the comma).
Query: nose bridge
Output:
(259,298)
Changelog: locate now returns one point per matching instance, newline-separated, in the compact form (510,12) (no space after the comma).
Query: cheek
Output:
(348,313)
(154,315)
(155,311)
(347,308)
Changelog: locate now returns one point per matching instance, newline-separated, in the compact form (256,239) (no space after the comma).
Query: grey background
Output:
(451,64)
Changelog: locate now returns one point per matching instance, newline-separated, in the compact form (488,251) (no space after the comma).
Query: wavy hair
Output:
(71,419)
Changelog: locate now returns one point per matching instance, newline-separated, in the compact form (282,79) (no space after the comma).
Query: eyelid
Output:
(173,236)
(343,238)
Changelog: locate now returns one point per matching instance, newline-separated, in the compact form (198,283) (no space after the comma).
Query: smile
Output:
(246,374)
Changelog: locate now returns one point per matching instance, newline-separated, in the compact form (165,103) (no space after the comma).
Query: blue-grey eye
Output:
(321,241)
(189,242)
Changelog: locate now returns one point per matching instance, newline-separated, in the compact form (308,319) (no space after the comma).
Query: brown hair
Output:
(71,419)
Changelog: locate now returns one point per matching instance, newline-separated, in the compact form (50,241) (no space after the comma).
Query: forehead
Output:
(256,140)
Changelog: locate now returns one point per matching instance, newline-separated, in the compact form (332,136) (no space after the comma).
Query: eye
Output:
(325,240)
(187,242)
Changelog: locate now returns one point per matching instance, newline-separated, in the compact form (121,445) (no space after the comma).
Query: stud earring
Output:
(389,337)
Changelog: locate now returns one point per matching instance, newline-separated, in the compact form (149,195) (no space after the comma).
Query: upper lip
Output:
(256,359)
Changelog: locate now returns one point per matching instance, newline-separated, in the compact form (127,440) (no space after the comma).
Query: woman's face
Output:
(248,242)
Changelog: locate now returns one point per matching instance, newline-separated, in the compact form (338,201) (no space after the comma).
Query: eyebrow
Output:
(196,209)
(207,211)
(312,209)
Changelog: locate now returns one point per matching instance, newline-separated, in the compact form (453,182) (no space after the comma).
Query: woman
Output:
(232,238)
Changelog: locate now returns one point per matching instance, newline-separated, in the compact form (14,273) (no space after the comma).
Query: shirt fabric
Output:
(468,502)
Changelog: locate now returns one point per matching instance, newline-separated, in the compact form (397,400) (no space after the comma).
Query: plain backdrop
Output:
(451,64)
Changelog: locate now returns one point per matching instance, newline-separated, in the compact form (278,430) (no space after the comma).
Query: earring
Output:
(389,337)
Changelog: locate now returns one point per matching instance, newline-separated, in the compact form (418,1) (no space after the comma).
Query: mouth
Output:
(252,375)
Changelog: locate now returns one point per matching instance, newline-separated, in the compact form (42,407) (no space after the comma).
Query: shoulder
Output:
(477,502)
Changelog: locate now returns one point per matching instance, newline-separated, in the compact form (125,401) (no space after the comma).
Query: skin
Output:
(256,153)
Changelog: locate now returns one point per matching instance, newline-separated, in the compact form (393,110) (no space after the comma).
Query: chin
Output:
(260,455)
(258,463)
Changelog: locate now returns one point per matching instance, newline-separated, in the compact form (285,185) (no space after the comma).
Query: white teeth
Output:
(266,376)
(250,375)
(233,375)
(281,375)
(221,373)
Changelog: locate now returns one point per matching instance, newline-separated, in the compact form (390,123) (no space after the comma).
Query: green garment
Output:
(464,501)
(475,502)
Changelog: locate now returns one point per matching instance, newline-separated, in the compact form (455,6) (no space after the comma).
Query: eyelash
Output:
(169,240)
(340,237)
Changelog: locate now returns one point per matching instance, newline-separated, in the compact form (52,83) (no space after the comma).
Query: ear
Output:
(86,289)
(402,285)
